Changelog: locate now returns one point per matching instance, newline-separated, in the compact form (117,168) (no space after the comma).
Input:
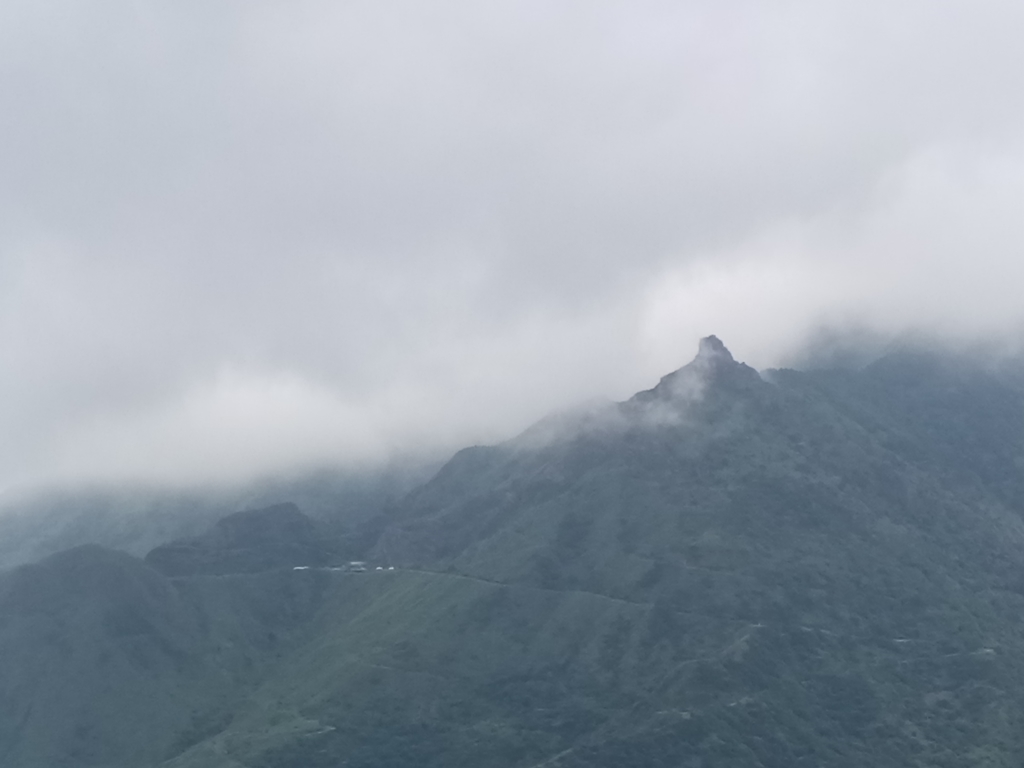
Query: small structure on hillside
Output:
(357,566)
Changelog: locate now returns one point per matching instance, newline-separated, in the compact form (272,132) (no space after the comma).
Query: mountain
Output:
(733,568)
(279,536)
(137,518)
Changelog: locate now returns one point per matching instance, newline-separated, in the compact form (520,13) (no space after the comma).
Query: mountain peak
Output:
(712,346)
(714,361)
(713,366)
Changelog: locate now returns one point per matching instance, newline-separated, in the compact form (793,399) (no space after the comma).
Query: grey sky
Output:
(246,236)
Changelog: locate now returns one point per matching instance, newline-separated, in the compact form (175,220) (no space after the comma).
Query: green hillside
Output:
(730,569)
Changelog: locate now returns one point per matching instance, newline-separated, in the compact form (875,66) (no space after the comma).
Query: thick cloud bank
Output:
(249,236)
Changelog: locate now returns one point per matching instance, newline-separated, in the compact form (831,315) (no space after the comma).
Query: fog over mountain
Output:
(245,238)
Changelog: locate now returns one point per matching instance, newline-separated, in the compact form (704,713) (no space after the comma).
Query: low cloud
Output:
(248,237)
(935,248)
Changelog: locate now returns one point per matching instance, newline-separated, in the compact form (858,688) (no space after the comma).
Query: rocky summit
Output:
(733,568)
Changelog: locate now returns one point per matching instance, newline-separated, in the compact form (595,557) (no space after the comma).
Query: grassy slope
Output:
(104,661)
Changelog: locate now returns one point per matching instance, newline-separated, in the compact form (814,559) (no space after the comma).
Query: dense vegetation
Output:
(795,569)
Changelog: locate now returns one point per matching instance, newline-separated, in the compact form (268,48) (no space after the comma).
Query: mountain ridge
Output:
(766,571)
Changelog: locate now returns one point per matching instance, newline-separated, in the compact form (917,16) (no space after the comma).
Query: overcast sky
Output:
(240,237)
